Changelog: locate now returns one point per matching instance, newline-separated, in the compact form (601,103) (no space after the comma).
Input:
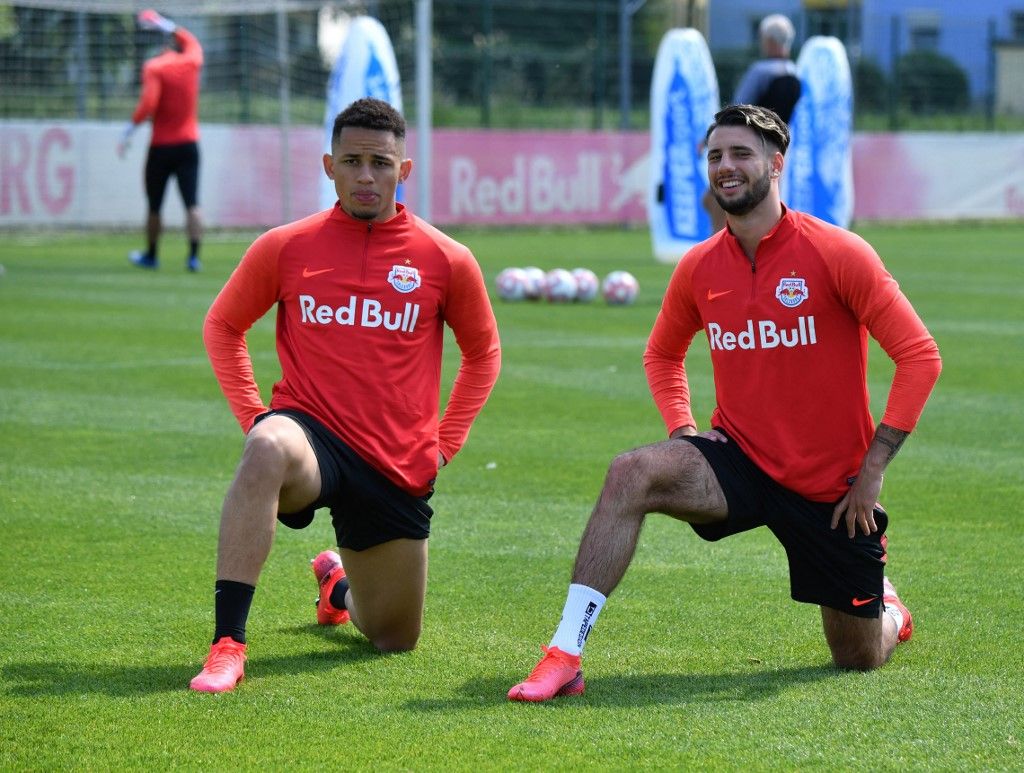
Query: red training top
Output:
(361,308)
(788,337)
(170,92)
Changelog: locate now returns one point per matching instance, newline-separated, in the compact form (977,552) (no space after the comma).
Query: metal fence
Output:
(575,64)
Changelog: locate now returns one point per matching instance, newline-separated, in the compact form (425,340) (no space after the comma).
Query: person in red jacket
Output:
(170,99)
(362,292)
(787,302)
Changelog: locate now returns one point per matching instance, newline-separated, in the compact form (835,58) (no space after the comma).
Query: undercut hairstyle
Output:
(369,113)
(766,124)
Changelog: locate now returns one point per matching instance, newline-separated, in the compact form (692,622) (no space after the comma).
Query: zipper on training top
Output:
(366,251)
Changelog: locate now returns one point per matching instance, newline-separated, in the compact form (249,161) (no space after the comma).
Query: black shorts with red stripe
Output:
(826,567)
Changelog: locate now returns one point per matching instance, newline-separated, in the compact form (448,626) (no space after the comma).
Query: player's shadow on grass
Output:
(646,689)
(57,678)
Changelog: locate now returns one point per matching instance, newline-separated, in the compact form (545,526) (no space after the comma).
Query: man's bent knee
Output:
(857,658)
(395,641)
(273,442)
(629,471)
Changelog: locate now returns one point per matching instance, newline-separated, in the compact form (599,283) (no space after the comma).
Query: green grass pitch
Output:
(117,448)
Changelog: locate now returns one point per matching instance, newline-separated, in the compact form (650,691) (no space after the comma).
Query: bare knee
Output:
(857,643)
(395,640)
(857,658)
(265,452)
(628,474)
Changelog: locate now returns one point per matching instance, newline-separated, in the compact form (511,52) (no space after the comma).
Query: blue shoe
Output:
(142,260)
(193,264)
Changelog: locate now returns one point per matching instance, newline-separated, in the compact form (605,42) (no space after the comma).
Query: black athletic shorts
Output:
(367,509)
(826,567)
(180,160)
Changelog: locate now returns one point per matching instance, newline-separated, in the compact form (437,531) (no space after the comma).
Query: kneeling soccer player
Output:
(787,302)
(363,292)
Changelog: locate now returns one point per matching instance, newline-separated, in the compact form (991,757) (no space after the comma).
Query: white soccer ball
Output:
(587,284)
(620,288)
(511,284)
(559,286)
(534,282)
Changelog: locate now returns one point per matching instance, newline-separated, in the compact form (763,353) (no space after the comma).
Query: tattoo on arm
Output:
(891,438)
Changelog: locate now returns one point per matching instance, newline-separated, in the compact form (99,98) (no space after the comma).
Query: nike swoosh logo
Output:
(306,273)
(862,602)
(712,296)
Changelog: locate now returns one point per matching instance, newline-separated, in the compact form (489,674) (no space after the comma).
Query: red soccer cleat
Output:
(328,570)
(224,667)
(558,673)
(890,597)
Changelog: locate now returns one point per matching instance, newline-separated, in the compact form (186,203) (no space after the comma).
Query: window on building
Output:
(924,38)
(923,30)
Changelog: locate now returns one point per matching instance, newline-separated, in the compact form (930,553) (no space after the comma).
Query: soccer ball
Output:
(559,286)
(586,284)
(534,282)
(619,288)
(512,284)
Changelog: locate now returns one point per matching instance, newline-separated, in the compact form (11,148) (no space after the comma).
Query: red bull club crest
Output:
(791,292)
(405,279)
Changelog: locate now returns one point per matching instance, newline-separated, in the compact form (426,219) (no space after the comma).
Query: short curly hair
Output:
(369,113)
(765,123)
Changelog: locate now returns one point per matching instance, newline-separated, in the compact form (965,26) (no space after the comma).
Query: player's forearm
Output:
(666,378)
(472,386)
(232,367)
(883,448)
(912,384)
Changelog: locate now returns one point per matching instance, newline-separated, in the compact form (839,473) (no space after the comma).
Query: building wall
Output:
(1010,78)
(962,29)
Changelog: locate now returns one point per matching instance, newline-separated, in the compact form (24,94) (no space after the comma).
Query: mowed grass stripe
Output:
(118,447)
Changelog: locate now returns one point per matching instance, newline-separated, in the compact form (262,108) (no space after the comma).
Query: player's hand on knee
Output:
(857,512)
(715,435)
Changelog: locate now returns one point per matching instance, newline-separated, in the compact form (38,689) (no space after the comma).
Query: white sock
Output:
(893,611)
(582,607)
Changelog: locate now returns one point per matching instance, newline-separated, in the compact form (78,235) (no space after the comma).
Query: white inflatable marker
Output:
(818,176)
(365,67)
(684,100)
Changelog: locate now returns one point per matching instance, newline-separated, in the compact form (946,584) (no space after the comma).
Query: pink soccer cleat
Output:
(328,570)
(224,667)
(889,597)
(558,673)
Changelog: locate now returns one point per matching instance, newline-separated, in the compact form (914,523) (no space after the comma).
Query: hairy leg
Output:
(858,643)
(387,587)
(278,472)
(671,477)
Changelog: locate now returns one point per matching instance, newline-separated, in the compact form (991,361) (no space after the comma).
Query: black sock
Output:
(151,251)
(231,609)
(193,249)
(338,594)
